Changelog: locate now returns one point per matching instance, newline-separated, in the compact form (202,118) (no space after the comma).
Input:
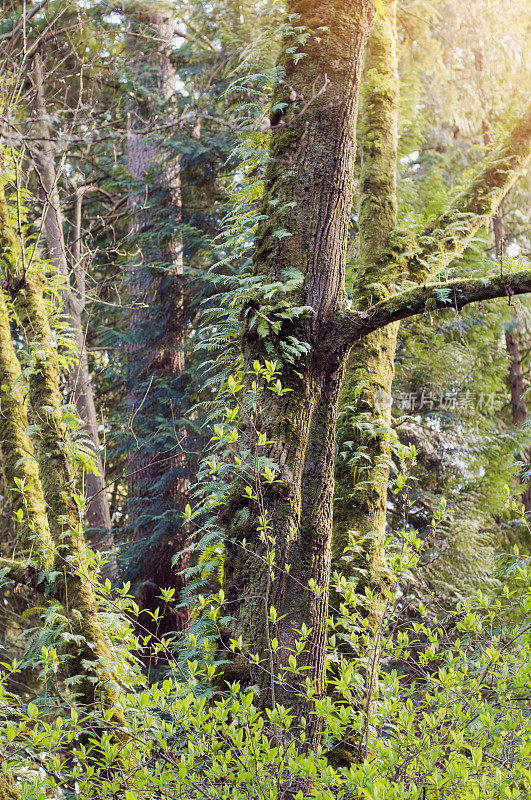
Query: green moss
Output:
(284,140)
(7,790)
(431,305)
(90,654)
(342,756)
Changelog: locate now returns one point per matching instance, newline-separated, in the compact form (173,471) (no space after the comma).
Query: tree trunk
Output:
(362,470)
(517,391)
(18,459)
(79,381)
(158,484)
(309,185)
(73,586)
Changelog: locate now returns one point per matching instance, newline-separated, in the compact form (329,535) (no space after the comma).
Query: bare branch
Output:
(24,20)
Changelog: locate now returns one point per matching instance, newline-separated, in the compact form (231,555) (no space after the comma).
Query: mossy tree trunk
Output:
(308,196)
(362,467)
(79,379)
(90,657)
(19,464)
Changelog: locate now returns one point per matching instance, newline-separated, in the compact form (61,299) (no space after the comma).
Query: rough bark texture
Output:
(517,391)
(18,457)
(308,194)
(90,658)
(362,469)
(98,510)
(158,487)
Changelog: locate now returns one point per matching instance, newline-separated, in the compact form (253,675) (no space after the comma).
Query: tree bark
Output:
(362,468)
(79,380)
(308,195)
(73,587)
(158,485)
(18,457)
(516,378)
(517,391)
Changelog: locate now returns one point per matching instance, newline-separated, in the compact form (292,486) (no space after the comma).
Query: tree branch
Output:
(17,571)
(24,20)
(447,237)
(353,326)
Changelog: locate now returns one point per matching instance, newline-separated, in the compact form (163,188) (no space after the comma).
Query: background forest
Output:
(264,371)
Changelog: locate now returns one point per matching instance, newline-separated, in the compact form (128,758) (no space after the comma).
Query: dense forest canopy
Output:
(264,366)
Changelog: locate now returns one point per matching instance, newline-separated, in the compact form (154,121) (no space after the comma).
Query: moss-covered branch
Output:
(353,326)
(17,571)
(448,236)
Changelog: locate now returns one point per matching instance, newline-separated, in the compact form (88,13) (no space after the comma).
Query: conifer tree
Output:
(158,482)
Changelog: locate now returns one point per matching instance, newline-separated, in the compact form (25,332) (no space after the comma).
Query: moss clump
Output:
(284,140)
(7,791)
